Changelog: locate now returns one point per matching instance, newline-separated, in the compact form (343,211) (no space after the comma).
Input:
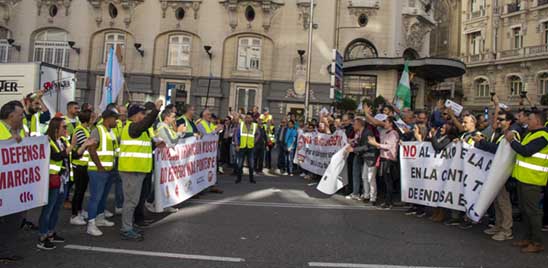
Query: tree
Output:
(347,104)
(378,101)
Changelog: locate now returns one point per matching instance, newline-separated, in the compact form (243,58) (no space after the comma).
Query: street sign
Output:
(337,75)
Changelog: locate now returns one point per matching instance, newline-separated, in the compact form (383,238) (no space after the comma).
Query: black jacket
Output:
(364,150)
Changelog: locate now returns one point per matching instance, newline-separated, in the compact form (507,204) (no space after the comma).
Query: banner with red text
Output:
(314,150)
(184,170)
(24,176)
(452,178)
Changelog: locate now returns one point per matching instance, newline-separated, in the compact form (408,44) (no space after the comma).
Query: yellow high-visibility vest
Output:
(247,136)
(5,133)
(83,161)
(106,150)
(533,169)
(135,154)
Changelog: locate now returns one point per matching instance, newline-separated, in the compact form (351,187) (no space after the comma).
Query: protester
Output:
(186,120)
(225,144)
(290,146)
(37,113)
(280,143)
(270,130)
(246,138)
(260,148)
(59,172)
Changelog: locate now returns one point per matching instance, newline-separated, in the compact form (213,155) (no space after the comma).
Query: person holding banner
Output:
(245,139)
(186,120)
(11,127)
(100,166)
(59,170)
(531,171)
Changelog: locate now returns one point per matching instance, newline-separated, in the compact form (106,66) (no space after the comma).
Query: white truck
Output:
(17,80)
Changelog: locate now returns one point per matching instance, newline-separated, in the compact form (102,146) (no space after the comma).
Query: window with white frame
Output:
(477,7)
(4,45)
(51,46)
(517,38)
(249,54)
(246,98)
(179,50)
(112,40)
(482,87)
(543,83)
(475,43)
(516,85)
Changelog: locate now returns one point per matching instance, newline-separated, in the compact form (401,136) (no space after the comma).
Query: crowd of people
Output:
(92,151)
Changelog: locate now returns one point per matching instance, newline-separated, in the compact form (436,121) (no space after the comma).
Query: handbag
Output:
(54,181)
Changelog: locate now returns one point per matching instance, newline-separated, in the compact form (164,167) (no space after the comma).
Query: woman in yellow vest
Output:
(59,172)
(80,157)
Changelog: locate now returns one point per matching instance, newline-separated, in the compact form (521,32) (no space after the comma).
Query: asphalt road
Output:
(278,222)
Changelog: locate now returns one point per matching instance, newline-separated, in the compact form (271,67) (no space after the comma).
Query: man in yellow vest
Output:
(37,114)
(265,116)
(245,144)
(100,166)
(205,127)
(186,120)
(531,172)
(135,162)
(71,118)
(11,127)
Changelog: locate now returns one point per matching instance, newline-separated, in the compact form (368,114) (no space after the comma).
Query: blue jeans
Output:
(99,187)
(282,152)
(50,212)
(118,190)
(357,168)
(289,160)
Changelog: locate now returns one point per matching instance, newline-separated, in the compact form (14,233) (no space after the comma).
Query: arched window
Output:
(179,50)
(4,45)
(113,39)
(516,85)
(482,87)
(360,49)
(410,54)
(543,83)
(51,46)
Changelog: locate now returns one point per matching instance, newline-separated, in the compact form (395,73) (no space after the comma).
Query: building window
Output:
(250,14)
(360,49)
(517,38)
(4,45)
(482,88)
(210,101)
(111,41)
(475,43)
(477,8)
(516,85)
(179,13)
(51,46)
(177,94)
(358,86)
(249,54)
(246,98)
(545,27)
(543,83)
(179,50)
(112,11)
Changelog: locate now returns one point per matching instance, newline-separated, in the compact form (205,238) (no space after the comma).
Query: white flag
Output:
(114,78)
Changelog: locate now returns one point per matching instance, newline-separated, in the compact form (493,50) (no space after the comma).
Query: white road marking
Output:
(356,265)
(155,254)
(285,205)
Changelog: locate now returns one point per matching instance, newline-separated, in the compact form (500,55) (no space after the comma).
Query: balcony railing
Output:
(511,53)
(542,2)
(514,7)
(539,50)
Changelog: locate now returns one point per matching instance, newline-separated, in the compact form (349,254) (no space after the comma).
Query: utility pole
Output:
(309,61)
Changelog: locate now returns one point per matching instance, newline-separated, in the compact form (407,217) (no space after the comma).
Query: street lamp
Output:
(210,55)
(309,61)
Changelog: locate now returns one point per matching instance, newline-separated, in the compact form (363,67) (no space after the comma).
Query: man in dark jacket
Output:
(260,147)
(280,143)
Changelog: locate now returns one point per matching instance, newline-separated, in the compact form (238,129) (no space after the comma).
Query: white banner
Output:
(335,176)
(24,177)
(184,170)
(314,150)
(452,178)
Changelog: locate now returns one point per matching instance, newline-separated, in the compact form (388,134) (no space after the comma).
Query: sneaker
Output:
(533,248)
(131,235)
(45,244)
(221,170)
(349,197)
(491,231)
(465,225)
(302,175)
(285,174)
(385,206)
(108,214)
(170,210)
(150,207)
(118,211)
(420,214)
(291,174)
(27,225)
(102,221)
(93,230)
(77,220)
(278,171)
(84,214)
(502,236)
(411,211)
(54,238)
(452,222)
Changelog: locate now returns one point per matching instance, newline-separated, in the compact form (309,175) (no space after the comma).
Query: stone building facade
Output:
(254,47)
(505,46)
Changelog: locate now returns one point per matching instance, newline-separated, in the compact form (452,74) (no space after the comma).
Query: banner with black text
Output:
(314,150)
(24,177)
(184,170)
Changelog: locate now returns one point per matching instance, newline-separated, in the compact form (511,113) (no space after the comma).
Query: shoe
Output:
(143,223)
(521,243)
(452,222)
(385,206)
(138,230)
(131,235)
(238,181)
(411,211)
(93,230)
(108,214)
(10,259)
(266,170)
(215,190)
(77,220)
(465,225)
(491,231)
(533,248)
(45,244)
(150,207)
(221,170)
(253,181)
(170,210)
(67,205)
(118,211)
(349,197)
(502,236)
(374,203)
(420,214)
(278,171)
(102,221)
(290,174)
(54,238)
(365,200)
(357,198)
(285,174)
(302,175)
(84,214)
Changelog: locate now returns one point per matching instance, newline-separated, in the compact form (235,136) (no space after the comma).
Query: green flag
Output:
(403,92)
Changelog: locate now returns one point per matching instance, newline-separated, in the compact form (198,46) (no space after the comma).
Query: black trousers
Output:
(268,158)
(389,174)
(259,157)
(545,207)
(81,180)
(242,155)
(139,214)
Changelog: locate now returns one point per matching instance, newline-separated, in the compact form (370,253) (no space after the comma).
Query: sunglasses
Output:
(501,119)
